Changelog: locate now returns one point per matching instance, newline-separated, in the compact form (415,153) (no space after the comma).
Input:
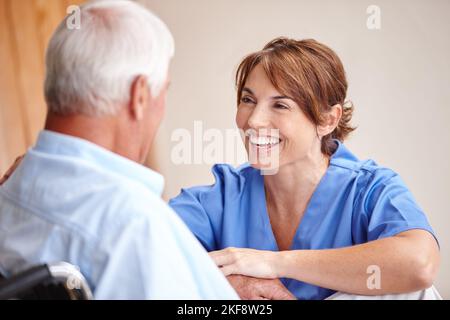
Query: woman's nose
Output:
(259,118)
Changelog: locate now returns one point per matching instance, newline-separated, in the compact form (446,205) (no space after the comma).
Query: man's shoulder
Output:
(79,196)
(126,201)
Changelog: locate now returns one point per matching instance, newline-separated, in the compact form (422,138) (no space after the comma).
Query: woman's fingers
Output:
(244,261)
(223,257)
(228,270)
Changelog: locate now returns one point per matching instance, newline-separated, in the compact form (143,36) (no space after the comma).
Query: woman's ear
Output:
(332,119)
(139,97)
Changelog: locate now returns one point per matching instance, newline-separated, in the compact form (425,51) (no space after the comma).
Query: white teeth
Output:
(264,140)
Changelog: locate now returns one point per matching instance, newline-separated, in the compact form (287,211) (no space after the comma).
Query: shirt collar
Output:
(342,153)
(65,145)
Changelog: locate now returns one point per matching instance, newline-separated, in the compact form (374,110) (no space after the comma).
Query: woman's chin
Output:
(265,164)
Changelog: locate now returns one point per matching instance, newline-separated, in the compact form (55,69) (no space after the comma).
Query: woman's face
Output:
(261,109)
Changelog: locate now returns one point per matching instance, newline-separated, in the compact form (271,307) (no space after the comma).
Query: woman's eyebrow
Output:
(280,97)
(248,91)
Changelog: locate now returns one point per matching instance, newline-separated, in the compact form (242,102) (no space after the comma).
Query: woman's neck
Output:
(291,188)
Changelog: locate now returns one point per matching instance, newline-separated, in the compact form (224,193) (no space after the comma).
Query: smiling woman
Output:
(324,218)
(309,74)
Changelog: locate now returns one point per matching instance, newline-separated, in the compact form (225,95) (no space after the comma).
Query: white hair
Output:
(90,70)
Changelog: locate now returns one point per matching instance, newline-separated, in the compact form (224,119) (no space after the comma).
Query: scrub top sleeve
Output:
(390,208)
(189,208)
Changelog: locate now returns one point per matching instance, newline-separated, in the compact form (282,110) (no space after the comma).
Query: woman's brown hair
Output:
(308,72)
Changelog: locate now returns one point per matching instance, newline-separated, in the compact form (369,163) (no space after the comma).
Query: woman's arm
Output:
(407,262)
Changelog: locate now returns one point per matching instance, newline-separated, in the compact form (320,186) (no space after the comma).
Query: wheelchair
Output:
(58,281)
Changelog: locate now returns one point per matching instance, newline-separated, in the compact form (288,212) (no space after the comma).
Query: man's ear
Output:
(332,119)
(139,97)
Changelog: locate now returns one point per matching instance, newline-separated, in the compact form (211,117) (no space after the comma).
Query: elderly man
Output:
(81,194)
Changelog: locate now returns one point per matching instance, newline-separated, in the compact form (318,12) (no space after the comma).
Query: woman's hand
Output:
(248,262)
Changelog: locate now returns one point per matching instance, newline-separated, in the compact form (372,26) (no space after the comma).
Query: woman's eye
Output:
(246,100)
(281,106)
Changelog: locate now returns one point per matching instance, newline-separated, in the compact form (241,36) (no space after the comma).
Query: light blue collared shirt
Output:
(71,200)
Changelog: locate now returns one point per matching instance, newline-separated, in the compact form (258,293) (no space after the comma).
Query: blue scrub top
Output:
(355,202)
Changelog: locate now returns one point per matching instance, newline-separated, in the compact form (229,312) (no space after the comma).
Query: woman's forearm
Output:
(406,263)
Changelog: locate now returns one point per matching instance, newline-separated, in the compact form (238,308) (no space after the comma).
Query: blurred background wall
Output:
(25,28)
(399,78)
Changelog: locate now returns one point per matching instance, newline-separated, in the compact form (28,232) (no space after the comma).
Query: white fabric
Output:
(428,294)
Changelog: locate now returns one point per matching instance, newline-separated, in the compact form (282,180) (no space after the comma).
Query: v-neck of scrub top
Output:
(314,213)
(311,213)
